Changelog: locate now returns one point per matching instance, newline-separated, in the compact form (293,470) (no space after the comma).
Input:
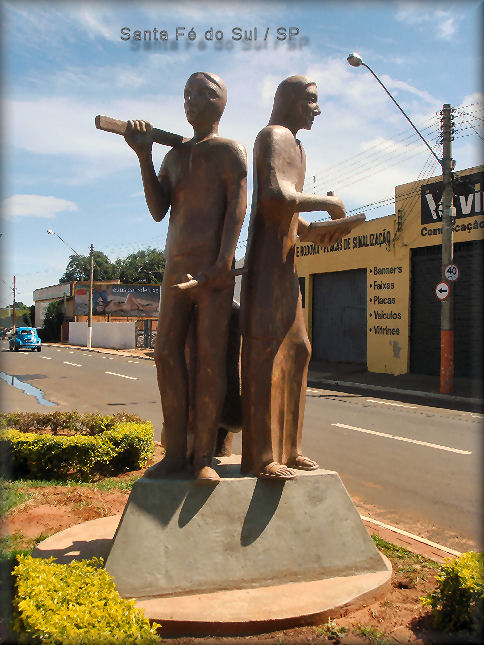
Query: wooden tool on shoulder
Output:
(109,124)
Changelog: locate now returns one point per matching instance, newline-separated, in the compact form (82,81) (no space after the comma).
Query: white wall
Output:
(112,335)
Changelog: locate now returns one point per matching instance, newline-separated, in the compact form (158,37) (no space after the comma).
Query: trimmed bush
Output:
(110,448)
(74,604)
(458,601)
(64,423)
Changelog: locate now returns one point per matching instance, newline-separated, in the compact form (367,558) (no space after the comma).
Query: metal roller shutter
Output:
(468,310)
(339,316)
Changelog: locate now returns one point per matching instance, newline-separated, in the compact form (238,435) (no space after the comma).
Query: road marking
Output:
(110,358)
(130,361)
(58,350)
(395,529)
(74,364)
(71,352)
(135,361)
(46,358)
(133,378)
(398,405)
(397,438)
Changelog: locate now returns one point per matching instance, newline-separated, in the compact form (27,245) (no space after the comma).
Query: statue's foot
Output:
(165,467)
(304,463)
(276,471)
(206,475)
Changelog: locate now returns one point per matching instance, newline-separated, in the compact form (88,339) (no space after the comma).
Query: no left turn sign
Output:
(442,290)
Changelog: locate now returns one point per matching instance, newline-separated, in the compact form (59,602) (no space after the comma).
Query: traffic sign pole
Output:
(447,306)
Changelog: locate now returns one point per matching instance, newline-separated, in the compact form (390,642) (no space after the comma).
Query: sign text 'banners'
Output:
(468,198)
(119,300)
(442,290)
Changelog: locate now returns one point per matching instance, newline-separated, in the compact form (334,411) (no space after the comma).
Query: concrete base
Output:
(240,557)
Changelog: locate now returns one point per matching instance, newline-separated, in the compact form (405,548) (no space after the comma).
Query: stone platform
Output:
(241,556)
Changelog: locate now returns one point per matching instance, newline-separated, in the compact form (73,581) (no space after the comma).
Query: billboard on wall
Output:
(129,300)
(468,198)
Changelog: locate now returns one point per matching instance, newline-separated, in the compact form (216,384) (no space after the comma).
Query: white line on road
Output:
(110,358)
(74,364)
(398,405)
(395,529)
(71,352)
(391,436)
(46,358)
(133,378)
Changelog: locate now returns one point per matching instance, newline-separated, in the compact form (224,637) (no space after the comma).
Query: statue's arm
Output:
(139,137)
(219,276)
(274,145)
(235,182)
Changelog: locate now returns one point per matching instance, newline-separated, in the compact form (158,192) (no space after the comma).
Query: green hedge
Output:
(458,601)
(123,446)
(74,604)
(64,423)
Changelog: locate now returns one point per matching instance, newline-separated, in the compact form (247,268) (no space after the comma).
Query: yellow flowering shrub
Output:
(124,446)
(74,604)
(458,601)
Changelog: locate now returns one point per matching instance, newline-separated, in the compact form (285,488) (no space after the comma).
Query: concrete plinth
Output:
(177,536)
(239,557)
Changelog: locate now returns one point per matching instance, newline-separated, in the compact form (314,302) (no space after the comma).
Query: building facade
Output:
(370,299)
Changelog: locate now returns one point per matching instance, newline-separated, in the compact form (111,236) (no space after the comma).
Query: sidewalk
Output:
(468,393)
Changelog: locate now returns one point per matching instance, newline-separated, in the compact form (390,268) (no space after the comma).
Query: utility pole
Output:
(447,306)
(89,313)
(13,311)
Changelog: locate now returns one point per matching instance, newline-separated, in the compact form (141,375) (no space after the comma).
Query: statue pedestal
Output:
(239,557)
(177,536)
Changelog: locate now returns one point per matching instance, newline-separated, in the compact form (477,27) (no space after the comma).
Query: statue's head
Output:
(205,98)
(295,103)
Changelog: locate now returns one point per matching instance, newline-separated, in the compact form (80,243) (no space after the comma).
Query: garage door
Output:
(468,310)
(339,316)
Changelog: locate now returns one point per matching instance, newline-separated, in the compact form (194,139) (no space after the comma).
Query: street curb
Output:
(451,398)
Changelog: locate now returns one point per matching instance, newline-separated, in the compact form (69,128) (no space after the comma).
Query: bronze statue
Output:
(203,181)
(275,347)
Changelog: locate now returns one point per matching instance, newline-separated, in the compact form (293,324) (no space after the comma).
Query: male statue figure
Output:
(203,181)
(275,348)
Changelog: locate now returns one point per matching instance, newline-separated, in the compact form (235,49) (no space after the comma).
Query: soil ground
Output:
(398,617)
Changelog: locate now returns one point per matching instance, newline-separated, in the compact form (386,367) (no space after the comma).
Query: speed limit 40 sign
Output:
(451,272)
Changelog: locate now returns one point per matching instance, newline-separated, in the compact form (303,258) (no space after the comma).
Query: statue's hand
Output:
(335,207)
(139,136)
(218,278)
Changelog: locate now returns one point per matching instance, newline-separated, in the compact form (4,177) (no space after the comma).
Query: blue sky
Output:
(65,62)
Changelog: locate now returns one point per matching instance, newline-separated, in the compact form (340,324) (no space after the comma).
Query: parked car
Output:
(25,338)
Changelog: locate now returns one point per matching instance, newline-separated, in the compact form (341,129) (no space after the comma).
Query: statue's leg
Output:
(214,308)
(299,356)
(173,379)
(260,432)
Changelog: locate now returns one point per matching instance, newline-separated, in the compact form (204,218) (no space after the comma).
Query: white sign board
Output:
(451,272)
(442,290)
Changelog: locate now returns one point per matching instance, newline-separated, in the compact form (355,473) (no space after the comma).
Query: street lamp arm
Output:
(401,110)
(51,232)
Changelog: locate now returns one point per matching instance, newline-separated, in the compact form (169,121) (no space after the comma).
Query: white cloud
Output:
(437,23)
(45,206)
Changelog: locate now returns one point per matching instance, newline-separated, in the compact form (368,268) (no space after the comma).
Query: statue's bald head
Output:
(290,92)
(213,81)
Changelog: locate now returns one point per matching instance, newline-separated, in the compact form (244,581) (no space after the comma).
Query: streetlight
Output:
(91,280)
(447,165)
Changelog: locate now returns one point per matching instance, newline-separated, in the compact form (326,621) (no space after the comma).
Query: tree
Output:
(146,267)
(29,316)
(79,268)
(53,320)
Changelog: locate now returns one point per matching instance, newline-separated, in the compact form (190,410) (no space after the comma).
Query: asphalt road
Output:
(408,465)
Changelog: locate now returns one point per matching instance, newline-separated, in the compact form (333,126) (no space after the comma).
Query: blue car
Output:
(25,338)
